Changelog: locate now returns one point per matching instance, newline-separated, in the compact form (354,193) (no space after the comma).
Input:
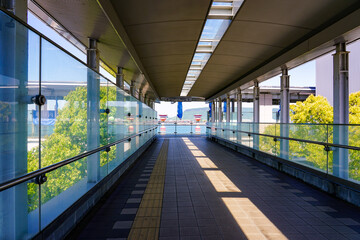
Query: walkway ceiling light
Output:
(217,22)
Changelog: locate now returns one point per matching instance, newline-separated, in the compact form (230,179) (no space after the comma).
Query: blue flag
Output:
(210,108)
(179,110)
(225,107)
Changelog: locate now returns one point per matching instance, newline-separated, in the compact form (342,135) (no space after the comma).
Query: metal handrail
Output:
(292,139)
(292,124)
(42,171)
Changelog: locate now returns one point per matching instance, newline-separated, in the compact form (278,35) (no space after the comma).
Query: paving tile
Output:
(189,231)
(129,211)
(133,200)
(169,232)
(348,221)
(122,225)
(138,192)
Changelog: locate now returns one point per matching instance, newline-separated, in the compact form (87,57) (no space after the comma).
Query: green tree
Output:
(311,115)
(315,109)
(68,140)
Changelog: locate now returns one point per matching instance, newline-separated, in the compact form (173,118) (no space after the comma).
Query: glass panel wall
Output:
(53,108)
(310,145)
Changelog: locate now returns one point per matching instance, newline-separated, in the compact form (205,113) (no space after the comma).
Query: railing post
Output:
(341,110)
(284,112)
(93,112)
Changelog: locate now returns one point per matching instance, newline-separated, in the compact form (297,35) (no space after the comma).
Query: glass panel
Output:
(214,30)
(63,187)
(311,155)
(64,116)
(105,92)
(354,165)
(74,119)
(19,211)
(19,49)
(129,128)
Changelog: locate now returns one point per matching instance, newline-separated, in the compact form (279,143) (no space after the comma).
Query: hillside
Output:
(189,114)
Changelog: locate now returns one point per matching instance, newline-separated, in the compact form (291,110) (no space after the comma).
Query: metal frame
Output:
(41,172)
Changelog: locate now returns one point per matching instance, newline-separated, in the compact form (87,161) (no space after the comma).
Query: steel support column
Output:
(213,111)
(341,110)
(239,106)
(256,102)
(228,108)
(132,88)
(284,112)
(220,111)
(120,78)
(256,114)
(140,96)
(93,112)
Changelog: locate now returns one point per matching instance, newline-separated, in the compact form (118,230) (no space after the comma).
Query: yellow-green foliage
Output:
(68,140)
(317,110)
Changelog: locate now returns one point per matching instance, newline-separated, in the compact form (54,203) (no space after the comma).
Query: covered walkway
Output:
(211,192)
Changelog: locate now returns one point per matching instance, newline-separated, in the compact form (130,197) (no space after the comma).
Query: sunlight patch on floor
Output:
(220,181)
(250,219)
(205,162)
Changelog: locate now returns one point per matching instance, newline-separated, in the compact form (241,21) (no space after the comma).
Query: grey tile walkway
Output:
(214,193)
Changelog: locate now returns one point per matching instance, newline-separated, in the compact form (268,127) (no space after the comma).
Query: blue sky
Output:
(68,68)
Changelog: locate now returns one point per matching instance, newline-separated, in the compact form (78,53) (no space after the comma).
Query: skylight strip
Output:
(217,22)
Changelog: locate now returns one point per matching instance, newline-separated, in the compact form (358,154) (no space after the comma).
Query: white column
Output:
(120,78)
(228,108)
(220,111)
(213,111)
(93,112)
(239,105)
(284,112)
(256,114)
(341,110)
(256,102)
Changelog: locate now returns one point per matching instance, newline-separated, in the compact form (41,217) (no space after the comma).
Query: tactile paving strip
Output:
(147,221)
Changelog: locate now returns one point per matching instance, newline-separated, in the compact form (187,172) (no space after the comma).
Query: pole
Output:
(284,112)
(341,110)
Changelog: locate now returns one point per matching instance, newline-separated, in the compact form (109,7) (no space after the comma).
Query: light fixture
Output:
(217,22)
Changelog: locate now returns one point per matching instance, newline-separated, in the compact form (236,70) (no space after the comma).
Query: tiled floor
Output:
(212,192)
(113,220)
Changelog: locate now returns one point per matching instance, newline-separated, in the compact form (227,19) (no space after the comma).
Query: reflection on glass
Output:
(82,112)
